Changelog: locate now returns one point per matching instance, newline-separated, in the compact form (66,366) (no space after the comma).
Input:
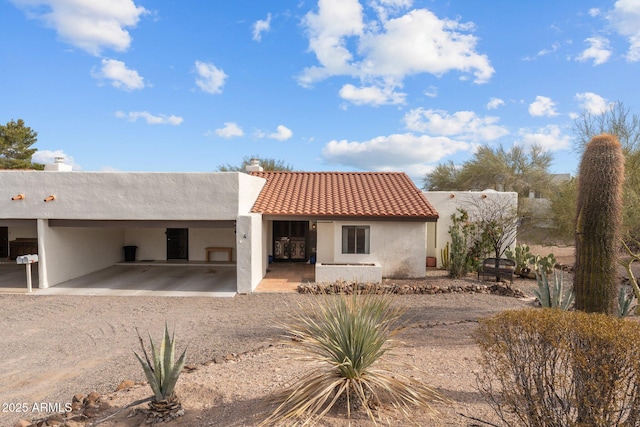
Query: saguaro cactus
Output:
(598,221)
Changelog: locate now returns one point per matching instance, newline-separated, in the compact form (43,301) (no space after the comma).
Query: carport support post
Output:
(249,253)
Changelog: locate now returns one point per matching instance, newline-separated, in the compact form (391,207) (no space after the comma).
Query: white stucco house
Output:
(79,222)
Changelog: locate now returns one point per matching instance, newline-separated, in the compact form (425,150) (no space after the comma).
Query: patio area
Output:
(286,276)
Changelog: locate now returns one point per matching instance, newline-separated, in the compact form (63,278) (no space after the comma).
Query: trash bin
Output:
(270,259)
(130,253)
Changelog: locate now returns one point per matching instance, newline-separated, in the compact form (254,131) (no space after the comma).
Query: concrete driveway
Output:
(174,280)
(13,277)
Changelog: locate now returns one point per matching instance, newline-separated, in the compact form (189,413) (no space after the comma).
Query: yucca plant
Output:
(553,295)
(343,339)
(162,373)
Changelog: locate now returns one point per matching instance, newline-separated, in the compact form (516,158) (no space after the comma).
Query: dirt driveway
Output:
(56,346)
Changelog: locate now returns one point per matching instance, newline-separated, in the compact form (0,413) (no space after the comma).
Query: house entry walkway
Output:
(286,276)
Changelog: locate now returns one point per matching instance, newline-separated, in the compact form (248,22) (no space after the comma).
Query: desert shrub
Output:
(560,368)
(344,339)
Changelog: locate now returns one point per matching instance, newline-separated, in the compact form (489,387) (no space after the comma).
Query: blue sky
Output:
(370,85)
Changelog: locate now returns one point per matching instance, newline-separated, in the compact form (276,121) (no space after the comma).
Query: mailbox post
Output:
(27,260)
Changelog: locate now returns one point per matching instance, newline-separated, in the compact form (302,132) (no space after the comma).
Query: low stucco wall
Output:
(359,273)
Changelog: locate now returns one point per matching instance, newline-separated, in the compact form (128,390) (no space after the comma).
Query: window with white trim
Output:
(355,239)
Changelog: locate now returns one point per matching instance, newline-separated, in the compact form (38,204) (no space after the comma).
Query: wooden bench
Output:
(228,251)
(497,268)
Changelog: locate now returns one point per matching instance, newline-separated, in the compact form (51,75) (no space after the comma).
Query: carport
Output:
(82,221)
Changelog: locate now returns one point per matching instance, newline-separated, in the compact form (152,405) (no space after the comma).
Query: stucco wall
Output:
(130,195)
(324,245)
(447,203)
(70,252)
(398,246)
(250,266)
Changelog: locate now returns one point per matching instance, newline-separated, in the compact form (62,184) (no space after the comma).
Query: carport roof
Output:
(382,195)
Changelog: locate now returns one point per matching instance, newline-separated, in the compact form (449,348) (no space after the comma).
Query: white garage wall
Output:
(72,252)
(200,238)
(151,243)
(28,232)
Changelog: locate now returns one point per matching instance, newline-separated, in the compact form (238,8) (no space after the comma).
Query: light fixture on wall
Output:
(50,198)
(18,197)
(313,225)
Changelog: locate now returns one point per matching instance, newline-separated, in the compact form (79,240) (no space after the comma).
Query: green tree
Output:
(267,163)
(563,209)
(16,140)
(445,177)
(517,169)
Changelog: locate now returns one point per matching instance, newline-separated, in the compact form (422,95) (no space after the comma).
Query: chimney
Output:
(58,166)
(254,166)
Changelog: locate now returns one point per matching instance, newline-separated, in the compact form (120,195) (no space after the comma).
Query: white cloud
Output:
(591,102)
(49,156)
(261,26)
(381,53)
(543,106)
(554,47)
(494,103)
(625,18)
(598,51)
(160,119)
(594,11)
(548,138)
(211,79)
(393,152)
(282,133)
(230,130)
(464,125)
(121,77)
(87,24)
(372,95)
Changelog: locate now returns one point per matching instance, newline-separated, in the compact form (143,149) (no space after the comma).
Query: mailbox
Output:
(27,259)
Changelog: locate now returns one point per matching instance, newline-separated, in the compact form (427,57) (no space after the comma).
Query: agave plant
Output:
(625,299)
(162,373)
(344,338)
(553,295)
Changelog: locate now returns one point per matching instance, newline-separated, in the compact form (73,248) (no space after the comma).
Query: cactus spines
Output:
(598,222)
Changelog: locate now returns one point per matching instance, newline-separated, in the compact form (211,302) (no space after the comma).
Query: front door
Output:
(290,240)
(177,243)
(4,242)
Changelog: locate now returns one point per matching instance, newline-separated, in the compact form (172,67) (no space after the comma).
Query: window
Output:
(355,239)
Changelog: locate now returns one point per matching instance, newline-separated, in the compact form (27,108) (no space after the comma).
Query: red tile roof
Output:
(342,194)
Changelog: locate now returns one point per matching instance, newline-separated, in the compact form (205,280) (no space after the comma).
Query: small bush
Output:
(557,368)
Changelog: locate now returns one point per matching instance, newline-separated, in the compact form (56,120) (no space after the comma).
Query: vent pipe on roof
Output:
(254,166)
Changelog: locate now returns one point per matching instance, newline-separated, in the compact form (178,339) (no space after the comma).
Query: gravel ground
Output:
(54,347)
